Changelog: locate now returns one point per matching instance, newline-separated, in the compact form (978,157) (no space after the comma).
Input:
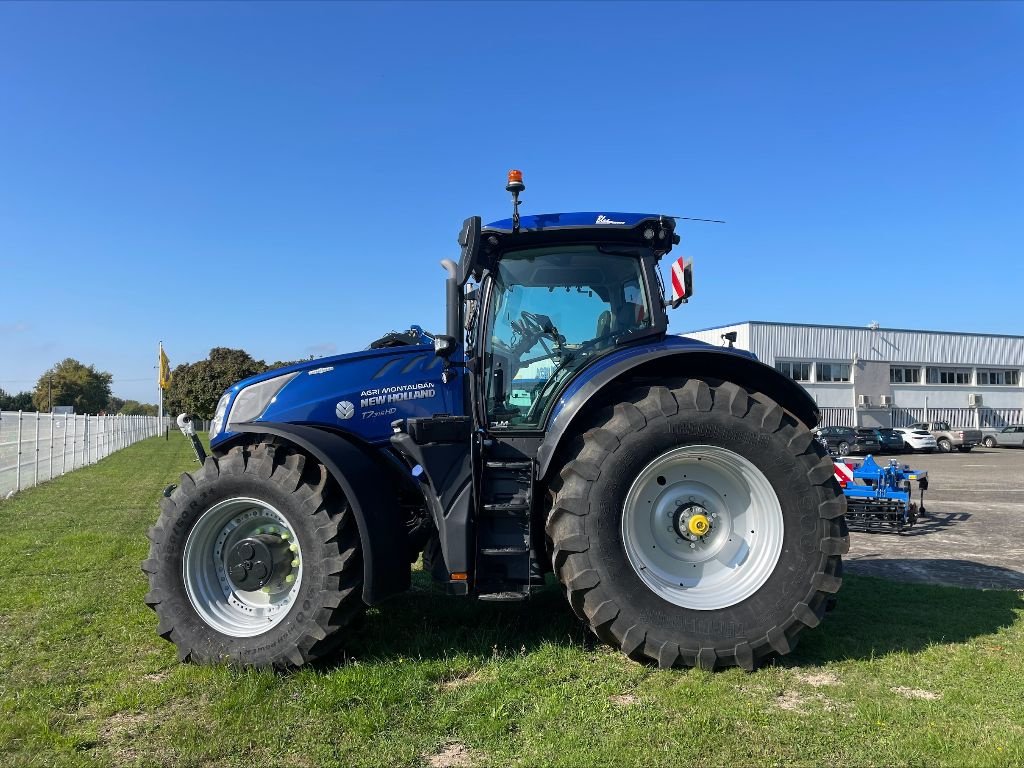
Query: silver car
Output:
(1012,435)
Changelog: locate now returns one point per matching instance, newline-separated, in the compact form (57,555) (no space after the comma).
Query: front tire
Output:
(843,449)
(990,442)
(763,569)
(286,516)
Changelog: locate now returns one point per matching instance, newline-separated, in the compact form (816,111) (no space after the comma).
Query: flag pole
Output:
(159,384)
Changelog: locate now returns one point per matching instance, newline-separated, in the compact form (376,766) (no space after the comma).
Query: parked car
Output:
(917,439)
(890,440)
(1012,435)
(846,440)
(948,439)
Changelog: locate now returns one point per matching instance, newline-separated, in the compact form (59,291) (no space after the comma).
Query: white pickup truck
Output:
(947,439)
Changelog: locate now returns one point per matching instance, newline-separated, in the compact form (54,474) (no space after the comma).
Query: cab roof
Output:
(579,219)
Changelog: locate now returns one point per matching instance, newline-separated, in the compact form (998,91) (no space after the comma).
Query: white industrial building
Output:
(892,377)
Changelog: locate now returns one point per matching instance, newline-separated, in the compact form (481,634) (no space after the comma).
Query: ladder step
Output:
(503,597)
(510,465)
(503,551)
(513,506)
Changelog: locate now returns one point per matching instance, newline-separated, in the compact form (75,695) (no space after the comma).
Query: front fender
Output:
(671,359)
(366,485)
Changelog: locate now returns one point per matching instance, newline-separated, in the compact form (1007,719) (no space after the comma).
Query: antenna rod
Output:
(690,218)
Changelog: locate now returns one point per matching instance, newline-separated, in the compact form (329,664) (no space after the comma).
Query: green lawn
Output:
(899,675)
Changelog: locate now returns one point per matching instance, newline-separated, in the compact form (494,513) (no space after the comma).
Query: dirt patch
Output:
(454,755)
(791,701)
(916,693)
(818,679)
(460,680)
(623,699)
(118,733)
(156,677)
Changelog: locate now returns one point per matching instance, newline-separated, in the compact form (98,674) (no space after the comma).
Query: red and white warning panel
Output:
(843,471)
(681,287)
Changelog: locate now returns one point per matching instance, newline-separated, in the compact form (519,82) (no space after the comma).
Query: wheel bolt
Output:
(295,563)
(693,546)
(289,578)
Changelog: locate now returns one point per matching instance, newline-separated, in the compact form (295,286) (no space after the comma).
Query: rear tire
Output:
(599,532)
(945,446)
(293,620)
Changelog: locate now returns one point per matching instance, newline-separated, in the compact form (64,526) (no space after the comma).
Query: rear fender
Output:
(661,363)
(364,481)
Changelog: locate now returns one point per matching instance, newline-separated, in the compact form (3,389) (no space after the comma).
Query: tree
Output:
(22,401)
(135,408)
(70,382)
(196,387)
(114,405)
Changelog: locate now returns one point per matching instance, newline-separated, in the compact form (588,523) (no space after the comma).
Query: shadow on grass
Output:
(426,623)
(874,617)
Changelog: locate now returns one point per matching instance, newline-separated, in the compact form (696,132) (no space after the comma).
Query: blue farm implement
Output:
(879,496)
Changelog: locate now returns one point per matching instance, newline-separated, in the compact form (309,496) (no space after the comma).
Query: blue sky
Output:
(285,178)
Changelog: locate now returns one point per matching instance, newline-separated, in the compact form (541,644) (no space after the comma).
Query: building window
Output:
(795,371)
(998,378)
(904,375)
(833,371)
(948,375)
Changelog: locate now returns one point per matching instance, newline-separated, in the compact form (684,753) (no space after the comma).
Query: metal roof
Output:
(852,328)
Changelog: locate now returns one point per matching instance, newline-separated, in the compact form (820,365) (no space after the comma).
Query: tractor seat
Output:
(628,317)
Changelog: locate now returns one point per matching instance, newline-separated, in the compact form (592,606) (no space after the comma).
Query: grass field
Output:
(899,675)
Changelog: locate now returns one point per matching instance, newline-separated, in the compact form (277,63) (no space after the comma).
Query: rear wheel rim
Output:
(737,554)
(211,592)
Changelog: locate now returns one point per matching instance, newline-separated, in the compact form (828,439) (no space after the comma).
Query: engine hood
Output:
(360,393)
(313,367)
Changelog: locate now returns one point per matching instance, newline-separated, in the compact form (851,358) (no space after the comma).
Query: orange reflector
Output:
(515,177)
(460,577)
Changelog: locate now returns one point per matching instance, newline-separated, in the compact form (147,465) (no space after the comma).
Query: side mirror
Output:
(444,345)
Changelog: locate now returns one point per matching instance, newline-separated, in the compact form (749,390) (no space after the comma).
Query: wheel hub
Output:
(242,567)
(698,524)
(257,561)
(702,527)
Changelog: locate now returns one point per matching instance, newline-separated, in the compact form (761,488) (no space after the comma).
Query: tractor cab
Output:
(540,298)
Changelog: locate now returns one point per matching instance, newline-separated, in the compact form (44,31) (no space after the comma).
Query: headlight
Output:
(252,401)
(217,426)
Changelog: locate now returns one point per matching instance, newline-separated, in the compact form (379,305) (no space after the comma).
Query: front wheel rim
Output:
(210,590)
(739,551)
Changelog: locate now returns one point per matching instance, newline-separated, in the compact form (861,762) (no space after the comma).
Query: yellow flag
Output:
(164,378)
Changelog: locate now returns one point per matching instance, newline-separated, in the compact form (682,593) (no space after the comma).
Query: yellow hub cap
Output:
(698,525)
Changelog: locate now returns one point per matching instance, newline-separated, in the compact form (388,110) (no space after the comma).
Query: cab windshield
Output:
(552,311)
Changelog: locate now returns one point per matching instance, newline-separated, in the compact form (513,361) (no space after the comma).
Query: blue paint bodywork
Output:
(381,384)
(612,359)
(583,220)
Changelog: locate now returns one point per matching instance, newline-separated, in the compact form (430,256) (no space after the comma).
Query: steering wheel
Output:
(535,324)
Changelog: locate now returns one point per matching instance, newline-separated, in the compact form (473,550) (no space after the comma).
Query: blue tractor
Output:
(673,488)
